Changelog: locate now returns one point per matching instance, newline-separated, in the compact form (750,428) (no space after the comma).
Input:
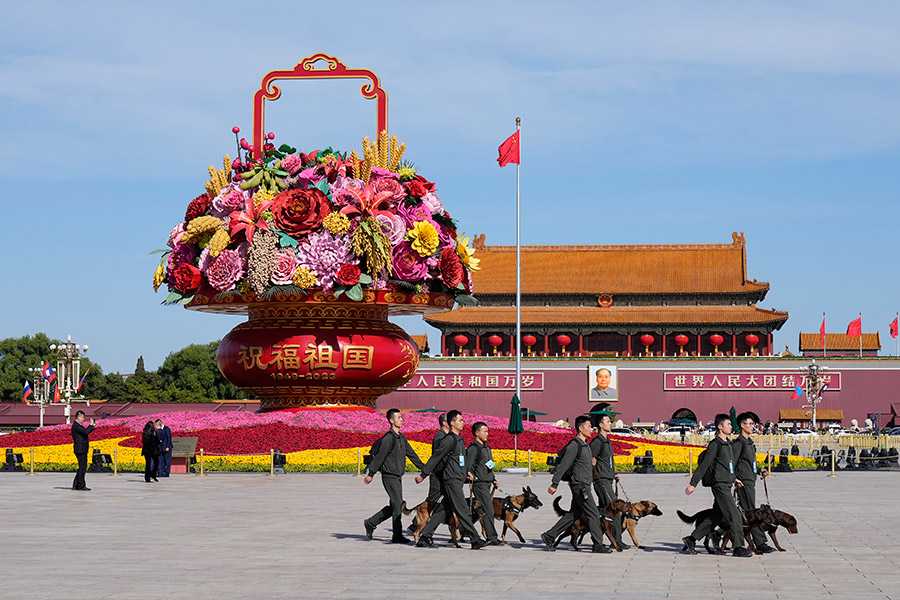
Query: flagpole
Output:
(860,335)
(824,338)
(518,269)
(898,337)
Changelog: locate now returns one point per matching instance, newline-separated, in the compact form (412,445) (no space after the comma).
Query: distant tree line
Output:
(187,375)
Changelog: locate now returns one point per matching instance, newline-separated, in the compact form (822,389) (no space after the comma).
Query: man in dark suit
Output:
(81,446)
(165,449)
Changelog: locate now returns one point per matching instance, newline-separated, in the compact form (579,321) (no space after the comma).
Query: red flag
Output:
(509,150)
(894,327)
(822,334)
(854,329)
(56,396)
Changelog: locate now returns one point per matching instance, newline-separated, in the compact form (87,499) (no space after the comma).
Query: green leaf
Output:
(285,240)
(322,185)
(281,173)
(338,291)
(364,279)
(466,300)
(460,286)
(174,296)
(158,250)
(355,293)
(186,299)
(286,149)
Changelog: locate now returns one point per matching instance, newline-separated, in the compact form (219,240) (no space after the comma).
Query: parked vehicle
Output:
(625,431)
(677,431)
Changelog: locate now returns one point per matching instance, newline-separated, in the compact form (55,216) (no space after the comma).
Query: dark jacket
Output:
(477,457)
(392,455)
(602,450)
(449,459)
(80,437)
(744,452)
(150,443)
(165,438)
(718,457)
(581,468)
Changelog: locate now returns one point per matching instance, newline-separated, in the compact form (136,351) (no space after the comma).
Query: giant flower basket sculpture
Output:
(317,249)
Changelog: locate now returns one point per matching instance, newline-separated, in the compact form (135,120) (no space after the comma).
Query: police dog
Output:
(785,520)
(763,517)
(580,528)
(507,510)
(425,509)
(637,510)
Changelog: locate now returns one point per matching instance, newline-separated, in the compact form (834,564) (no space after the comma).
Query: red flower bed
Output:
(55,437)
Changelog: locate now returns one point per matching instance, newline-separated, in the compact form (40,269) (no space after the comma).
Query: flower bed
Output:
(319,440)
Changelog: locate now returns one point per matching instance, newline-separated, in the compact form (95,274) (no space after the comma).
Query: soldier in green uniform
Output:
(434,482)
(480,462)
(391,461)
(718,457)
(450,460)
(577,457)
(744,452)
(605,471)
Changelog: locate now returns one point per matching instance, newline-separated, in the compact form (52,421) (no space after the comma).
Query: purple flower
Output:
(379,173)
(183,253)
(324,255)
(303,179)
(393,227)
(432,201)
(230,199)
(285,266)
(342,183)
(225,270)
(408,265)
(412,214)
(205,260)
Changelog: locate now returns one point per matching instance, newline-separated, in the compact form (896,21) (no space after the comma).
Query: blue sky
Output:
(643,122)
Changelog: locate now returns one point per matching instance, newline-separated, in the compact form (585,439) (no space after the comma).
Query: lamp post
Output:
(814,383)
(68,374)
(40,390)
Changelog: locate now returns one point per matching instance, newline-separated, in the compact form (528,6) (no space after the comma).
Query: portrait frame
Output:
(595,394)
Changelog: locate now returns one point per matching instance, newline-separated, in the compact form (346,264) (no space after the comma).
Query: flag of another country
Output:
(48,372)
(854,329)
(27,392)
(81,383)
(509,150)
(824,387)
(798,392)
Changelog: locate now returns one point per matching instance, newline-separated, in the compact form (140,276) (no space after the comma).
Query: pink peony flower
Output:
(398,193)
(379,173)
(342,183)
(433,202)
(291,163)
(324,255)
(225,270)
(229,200)
(408,265)
(205,260)
(393,227)
(412,214)
(175,235)
(285,266)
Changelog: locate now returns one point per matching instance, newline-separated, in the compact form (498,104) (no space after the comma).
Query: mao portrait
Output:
(602,382)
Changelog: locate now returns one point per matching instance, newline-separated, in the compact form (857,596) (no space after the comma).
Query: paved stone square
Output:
(301,536)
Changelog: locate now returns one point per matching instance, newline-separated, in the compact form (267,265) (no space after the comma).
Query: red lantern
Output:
(752,340)
(716,340)
(529,340)
(647,341)
(681,341)
(563,340)
(460,341)
(495,340)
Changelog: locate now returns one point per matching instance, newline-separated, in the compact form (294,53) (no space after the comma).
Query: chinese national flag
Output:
(509,150)
(895,325)
(854,329)
(822,334)
(56,396)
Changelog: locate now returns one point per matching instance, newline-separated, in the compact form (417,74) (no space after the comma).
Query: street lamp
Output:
(68,373)
(815,380)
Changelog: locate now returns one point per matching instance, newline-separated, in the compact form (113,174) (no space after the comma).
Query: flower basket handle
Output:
(306,69)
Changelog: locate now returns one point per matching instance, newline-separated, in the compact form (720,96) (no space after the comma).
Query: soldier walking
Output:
(434,482)
(744,451)
(480,462)
(605,472)
(718,457)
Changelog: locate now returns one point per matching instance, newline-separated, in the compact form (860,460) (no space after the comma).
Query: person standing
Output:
(450,460)
(480,463)
(150,451)
(165,449)
(577,457)
(81,446)
(719,458)
(744,451)
(435,492)
(390,459)
(605,476)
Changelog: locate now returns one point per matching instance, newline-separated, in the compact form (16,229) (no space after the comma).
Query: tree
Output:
(193,372)
(17,355)
(139,369)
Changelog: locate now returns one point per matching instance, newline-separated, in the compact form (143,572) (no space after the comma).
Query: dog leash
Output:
(766,487)
(618,486)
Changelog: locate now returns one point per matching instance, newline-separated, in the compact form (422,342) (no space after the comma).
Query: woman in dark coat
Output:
(150,451)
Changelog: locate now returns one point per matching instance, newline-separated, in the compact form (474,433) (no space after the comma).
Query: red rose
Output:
(186,278)
(416,189)
(451,267)
(429,186)
(197,207)
(348,275)
(300,212)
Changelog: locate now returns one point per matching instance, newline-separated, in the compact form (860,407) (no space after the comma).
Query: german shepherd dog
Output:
(763,517)
(425,509)
(507,510)
(580,527)
(636,510)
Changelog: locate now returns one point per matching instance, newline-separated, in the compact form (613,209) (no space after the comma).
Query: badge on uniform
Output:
(754,467)
(730,467)
(462,460)
(489,464)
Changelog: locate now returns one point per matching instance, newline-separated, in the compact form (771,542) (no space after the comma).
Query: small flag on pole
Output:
(81,383)
(824,387)
(895,324)
(56,396)
(822,333)
(798,392)
(27,392)
(509,150)
(48,372)
(854,329)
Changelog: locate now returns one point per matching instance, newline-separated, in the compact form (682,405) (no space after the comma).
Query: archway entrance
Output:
(684,414)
